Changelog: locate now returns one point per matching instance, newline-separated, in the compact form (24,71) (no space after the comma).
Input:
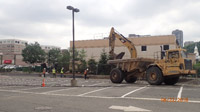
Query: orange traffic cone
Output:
(43,83)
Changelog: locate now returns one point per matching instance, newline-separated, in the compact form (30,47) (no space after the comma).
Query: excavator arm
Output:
(131,47)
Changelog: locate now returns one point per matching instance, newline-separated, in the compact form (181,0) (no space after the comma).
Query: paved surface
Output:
(25,94)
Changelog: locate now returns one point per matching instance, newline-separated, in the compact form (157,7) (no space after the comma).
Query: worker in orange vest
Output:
(44,72)
(85,73)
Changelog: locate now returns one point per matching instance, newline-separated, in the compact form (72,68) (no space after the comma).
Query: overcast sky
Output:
(50,23)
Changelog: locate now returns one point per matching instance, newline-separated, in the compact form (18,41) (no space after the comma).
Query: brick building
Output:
(10,50)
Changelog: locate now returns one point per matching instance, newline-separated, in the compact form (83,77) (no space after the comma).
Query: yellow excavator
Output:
(173,63)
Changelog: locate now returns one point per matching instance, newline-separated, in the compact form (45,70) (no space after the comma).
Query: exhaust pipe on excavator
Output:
(162,52)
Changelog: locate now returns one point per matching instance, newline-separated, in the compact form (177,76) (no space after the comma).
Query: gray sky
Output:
(50,23)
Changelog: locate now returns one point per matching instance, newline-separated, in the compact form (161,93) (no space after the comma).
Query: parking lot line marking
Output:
(96,84)
(132,92)
(180,92)
(94,91)
(103,97)
(8,86)
(48,92)
(29,89)
(16,91)
(56,82)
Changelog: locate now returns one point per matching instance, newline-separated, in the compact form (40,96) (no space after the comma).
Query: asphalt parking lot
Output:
(25,94)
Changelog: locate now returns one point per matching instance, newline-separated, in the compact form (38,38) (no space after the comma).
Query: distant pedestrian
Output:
(44,72)
(85,73)
(54,72)
(62,72)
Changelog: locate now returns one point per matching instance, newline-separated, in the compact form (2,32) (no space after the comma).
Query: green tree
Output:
(104,57)
(92,64)
(190,48)
(198,46)
(33,53)
(103,67)
(83,64)
(197,68)
(53,56)
(64,60)
(82,55)
(76,53)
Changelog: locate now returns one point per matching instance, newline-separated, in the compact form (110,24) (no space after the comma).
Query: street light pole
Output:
(73,81)
(1,54)
(73,64)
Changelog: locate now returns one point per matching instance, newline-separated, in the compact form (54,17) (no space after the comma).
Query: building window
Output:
(17,42)
(166,47)
(143,48)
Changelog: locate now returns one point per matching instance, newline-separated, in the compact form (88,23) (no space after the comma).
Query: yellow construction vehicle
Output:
(173,63)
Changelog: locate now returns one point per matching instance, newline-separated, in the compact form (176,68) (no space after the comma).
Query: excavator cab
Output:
(176,62)
(174,55)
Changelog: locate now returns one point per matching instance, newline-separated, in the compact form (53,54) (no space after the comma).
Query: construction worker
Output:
(62,72)
(85,73)
(54,72)
(44,72)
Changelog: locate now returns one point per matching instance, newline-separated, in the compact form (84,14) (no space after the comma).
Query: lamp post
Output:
(1,54)
(73,81)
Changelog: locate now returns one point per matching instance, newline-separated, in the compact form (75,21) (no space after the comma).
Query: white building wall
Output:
(153,51)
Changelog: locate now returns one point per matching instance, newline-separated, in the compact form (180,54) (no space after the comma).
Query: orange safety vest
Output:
(44,71)
(85,72)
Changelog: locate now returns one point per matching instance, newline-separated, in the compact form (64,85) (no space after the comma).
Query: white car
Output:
(9,67)
(12,67)
(1,66)
(6,67)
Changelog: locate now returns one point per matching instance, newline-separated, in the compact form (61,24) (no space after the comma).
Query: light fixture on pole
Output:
(73,81)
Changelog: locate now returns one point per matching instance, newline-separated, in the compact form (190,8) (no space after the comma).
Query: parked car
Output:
(12,67)
(1,66)
(9,67)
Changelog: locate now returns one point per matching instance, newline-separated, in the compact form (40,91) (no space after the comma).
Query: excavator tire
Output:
(154,76)
(130,79)
(171,81)
(116,75)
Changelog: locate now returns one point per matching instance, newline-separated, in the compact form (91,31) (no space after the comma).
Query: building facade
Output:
(11,50)
(147,47)
(179,36)
(46,48)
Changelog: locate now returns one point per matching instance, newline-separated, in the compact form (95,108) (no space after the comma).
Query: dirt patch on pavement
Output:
(190,81)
